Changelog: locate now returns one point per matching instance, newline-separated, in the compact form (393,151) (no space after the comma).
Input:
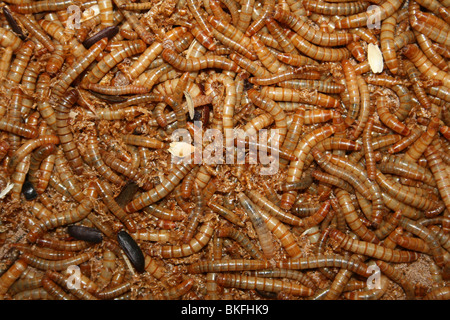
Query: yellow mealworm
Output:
(160,191)
(295,169)
(200,239)
(264,284)
(372,250)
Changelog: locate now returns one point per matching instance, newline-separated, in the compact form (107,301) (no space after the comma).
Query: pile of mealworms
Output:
(93,205)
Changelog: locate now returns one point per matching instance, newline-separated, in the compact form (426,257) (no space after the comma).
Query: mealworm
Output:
(413,53)
(37,31)
(200,239)
(258,24)
(28,147)
(11,275)
(387,43)
(39,6)
(295,169)
(242,239)
(75,245)
(20,62)
(161,190)
(196,64)
(353,90)
(18,128)
(39,177)
(262,230)
(304,96)
(372,250)
(368,150)
(416,150)
(9,39)
(440,174)
(227,265)
(264,284)
(389,119)
(386,9)
(106,195)
(66,78)
(58,265)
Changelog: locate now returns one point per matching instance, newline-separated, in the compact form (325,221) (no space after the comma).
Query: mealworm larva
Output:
(368,150)
(412,243)
(278,33)
(387,43)
(406,103)
(18,177)
(62,281)
(235,46)
(416,150)
(26,149)
(262,230)
(371,249)
(310,34)
(20,62)
(9,39)
(37,31)
(295,169)
(440,174)
(273,109)
(160,191)
(39,6)
(196,64)
(11,275)
(242,239)
(143,141)
(352,219)
(353,90)
(200,239)
(264,284)
(257,24)
(136,24)
(113,292)
(386,9)
(75,245)
(110,60)
(60,219)
(201,36)
(106,13)
(225,213)
(39,177)
(442,293)
(150,54)
(66,78)
(304,96)
(33,294)
(58,265)
(321,261)
(339,9)
(55,290)
(227,265)
(106,195)
(425,66)
(18,128)
(93,158)
(199,17)
(389,119)
(250,66)
(280,231)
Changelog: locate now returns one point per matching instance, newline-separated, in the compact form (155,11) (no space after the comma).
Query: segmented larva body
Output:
(258,24)
(200,239)
(36,30)
(353,90)
(372,250)
(58,265)
(273,109)
(160,191)
(9,39)
(11,275)
(295,169)
(419,146)
(352,218)
(110,60)
(304,96)
(383,11)
(196,64)
(316,52)
(265,284)
(267,58)
(262,230)
(368,150)
(310,34)
(389,119)
(57,32)
(106,13)
(18,65)
(227,265)
(242,239)
(442,293)
(387,43)
(321,261)
(440,174)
